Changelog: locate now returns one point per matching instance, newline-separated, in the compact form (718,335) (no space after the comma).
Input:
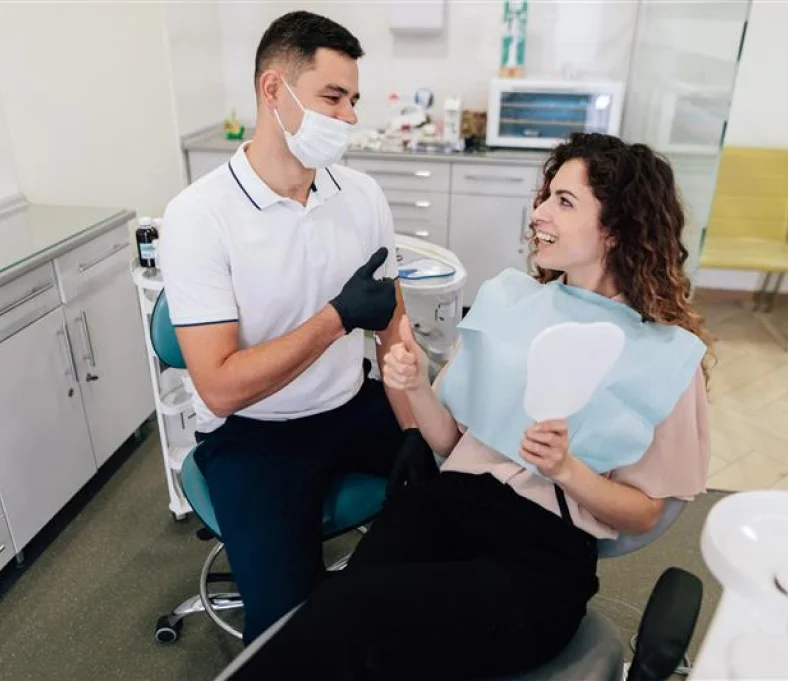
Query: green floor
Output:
(85,608)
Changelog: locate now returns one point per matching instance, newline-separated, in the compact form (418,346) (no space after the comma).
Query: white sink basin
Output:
(745,545)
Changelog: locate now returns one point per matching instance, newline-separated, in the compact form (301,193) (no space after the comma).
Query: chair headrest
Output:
(162,335)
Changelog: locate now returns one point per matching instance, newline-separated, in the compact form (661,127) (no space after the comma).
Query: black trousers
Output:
(458,579)
(267,482)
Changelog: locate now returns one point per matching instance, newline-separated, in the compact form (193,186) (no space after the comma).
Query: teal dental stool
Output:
(353,501)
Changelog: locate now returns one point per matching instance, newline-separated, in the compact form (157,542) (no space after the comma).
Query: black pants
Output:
(460,579)
(267,482)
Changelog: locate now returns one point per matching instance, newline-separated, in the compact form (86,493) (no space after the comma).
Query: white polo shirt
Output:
(233,250)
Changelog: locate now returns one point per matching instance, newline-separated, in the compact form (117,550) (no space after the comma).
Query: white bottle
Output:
(452,121)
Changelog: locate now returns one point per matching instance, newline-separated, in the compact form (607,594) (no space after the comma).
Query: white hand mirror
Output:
(566,363)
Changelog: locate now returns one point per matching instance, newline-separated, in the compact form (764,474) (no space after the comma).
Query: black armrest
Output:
(667,625)
(415,463)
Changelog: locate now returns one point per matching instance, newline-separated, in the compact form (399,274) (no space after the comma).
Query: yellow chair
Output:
(748,225)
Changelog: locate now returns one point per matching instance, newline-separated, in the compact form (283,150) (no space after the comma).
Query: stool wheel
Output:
(179,517)
(167,631)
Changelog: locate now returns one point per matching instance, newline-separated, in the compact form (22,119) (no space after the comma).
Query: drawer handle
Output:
(90,357)
(412,204)
(2,548)
(421,233)
(24,299)
(117,248)
(402,173)
(69,353)
(525,225)
(494,178)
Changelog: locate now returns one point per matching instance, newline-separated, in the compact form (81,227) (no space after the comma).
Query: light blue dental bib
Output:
(483,387)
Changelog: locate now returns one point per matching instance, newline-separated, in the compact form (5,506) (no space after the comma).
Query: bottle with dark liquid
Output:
(147,237)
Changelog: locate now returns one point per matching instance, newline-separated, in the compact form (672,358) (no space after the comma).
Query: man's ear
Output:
(268,85)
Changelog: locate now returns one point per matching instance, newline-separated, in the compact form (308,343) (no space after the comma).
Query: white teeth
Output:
(543,236)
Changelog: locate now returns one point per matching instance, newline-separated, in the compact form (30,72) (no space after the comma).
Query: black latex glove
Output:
(364,302)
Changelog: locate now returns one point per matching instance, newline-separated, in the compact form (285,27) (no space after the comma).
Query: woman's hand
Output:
(546,446)
(405,365)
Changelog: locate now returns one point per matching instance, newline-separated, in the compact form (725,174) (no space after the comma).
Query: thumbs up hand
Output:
(405,365)
(365,302)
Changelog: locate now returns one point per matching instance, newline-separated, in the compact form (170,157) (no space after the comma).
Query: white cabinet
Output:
(417,191)
(489,216)
(111,359)
(45,456)
(406,173)
(421,214)
(487,234)
(73,368)
(6,544)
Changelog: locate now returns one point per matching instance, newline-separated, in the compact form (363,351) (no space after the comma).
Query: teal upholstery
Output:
(162,335)
(353,499)
(196,490)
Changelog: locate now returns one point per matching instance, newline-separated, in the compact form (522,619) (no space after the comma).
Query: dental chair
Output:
(596,652)
(353,500)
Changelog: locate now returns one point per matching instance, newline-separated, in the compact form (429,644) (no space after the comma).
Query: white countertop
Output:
(213,140)
(33,234)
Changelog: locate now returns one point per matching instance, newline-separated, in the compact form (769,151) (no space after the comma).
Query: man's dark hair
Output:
(296,36)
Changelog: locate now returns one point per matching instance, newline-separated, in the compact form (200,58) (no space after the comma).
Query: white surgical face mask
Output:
(320,140)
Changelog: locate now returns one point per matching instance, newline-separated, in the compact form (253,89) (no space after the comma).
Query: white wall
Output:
(194,40)
(8,182)
(90,104)
(759,110)
(592,37)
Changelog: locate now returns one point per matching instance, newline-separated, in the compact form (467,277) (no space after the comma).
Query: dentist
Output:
(274,264)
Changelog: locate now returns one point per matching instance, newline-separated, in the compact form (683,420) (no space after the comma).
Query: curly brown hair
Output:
(642,211)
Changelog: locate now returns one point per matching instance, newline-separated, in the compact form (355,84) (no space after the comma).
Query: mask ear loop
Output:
(293,95)
(300,106)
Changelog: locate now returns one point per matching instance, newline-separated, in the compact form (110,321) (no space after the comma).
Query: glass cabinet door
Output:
(683,69)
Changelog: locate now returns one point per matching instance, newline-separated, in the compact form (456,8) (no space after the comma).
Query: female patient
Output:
(488,567)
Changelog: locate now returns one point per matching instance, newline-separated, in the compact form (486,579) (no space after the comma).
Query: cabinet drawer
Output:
(418,206)
(7,551)
(27,298)
(87,263)
(494,180)
(429,176)
(432,232)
